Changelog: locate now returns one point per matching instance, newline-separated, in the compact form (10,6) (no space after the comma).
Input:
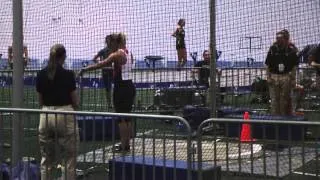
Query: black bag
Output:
(195,115)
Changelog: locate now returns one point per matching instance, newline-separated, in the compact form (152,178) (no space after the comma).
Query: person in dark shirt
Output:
(25,56)
(281,63)
(306,52)
(202,68)
(106,71)
(314,59)
(56,88)
(124,89)
(179,34)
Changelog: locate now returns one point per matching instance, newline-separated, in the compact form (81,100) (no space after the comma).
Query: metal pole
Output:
(213,84)
(17,79)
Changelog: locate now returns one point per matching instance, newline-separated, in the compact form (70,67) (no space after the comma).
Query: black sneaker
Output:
(127,148)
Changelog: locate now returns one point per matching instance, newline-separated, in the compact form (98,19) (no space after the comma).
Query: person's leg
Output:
(123,133)
(184,56)
(68,127)
(274,96)
(107,80)
(180,57)
(125,128)
(70,158)
(285,99)
(126,107)
(108,98)
(47,149)
(117,102)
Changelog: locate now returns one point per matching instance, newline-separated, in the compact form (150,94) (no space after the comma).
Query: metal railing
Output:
(265,147)
(168,90)
(257,149)
(157,142)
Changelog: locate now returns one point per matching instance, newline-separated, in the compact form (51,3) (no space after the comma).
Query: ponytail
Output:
(57,52)
(52,65)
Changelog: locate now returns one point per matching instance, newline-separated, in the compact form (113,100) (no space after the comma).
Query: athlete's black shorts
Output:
(124,93)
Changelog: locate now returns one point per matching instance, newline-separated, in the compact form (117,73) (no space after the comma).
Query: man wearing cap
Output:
(281,63)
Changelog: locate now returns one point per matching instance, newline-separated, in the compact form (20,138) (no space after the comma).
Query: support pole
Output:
(213,66)
(17,80)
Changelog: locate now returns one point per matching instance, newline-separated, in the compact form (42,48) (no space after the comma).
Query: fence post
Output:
(213,84)
(17,80)
(199,150)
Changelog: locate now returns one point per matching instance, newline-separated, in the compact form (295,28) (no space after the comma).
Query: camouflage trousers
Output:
(280,86)
(58,139)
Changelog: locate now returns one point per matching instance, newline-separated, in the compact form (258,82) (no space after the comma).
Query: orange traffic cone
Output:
(246,130)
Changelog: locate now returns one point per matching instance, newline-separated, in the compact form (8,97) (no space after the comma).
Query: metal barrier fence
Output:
(160,145)
(167,91)
(260,149)
(269,147)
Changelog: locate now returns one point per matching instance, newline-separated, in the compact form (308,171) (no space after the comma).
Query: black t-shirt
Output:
(316,54)
(204,72)
(56,92)
(282,60)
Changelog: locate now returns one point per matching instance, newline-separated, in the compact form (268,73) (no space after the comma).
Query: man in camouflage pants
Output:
(281,63)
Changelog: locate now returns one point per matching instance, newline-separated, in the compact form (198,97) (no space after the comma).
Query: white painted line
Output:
(256,148)
(306,174)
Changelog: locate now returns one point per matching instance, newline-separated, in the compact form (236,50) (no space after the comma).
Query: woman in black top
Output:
(124,90)
(179,34)
(56,88)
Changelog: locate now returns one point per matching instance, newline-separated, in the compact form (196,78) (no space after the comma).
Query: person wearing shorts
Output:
(58,134)
(124,90)
(179,34)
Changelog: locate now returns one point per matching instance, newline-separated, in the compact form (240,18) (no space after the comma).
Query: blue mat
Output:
(162,168)
(97,128)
